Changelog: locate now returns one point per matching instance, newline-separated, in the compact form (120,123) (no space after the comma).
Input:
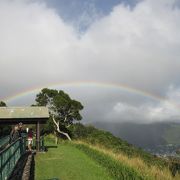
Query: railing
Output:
(4,141)
(9,157)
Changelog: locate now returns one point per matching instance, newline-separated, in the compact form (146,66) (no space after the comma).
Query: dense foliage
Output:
(63,110)
(4,129)
(2,104)
(48,128)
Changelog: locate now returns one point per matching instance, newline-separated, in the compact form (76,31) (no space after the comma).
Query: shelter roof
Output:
(23,113)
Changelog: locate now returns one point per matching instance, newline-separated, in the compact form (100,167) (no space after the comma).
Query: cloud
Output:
(136,46)
(139,46)
(167,110)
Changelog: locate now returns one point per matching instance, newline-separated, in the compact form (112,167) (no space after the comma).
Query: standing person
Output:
(20,125)
(22,148)
(30,139)
(14,134)
(11,135)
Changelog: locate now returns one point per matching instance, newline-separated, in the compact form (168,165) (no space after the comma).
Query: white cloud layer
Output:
(165,110)
(138,47)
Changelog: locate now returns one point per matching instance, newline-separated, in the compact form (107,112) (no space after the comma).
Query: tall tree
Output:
(63,110)
(2,104)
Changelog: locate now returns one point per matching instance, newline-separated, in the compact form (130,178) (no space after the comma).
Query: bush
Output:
(48,127)
(5,130)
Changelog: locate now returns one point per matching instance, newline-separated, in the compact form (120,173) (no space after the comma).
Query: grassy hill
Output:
(94,136)
(96,154)
(78,161)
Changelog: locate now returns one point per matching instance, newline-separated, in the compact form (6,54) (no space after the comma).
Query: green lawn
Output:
(66,162)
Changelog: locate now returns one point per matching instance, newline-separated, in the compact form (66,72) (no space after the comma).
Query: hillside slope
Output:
(70,161)
(133,156)
(96,154)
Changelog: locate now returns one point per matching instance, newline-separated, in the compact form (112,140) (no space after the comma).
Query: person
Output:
(20,125)
(14,134)
(30,139)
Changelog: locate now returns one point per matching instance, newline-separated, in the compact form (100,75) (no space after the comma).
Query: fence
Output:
(4,141)
(9,157)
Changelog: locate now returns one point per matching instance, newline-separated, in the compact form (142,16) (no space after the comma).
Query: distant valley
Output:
(147,136)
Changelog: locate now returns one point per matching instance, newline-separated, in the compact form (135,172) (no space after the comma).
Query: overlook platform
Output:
(27,115)
(14,152)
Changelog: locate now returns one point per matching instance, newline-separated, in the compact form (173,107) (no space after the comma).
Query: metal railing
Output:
(4,141)
(10,155)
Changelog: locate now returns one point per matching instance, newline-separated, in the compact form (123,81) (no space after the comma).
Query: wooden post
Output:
(37,136)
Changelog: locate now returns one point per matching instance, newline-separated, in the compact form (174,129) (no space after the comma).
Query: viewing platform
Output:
(14,152)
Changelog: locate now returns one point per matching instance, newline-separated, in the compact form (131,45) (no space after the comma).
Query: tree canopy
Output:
(64,111)
(4,129)
(2,104)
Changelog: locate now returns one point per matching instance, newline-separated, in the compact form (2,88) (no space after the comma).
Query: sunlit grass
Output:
(149,172)
(67,163)
(137,163)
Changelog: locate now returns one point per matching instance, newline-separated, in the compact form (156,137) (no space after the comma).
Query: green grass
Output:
(116,169)
(72,161)
(66,162)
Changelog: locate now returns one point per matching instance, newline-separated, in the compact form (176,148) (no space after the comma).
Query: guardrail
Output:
(4,141)
(9,157)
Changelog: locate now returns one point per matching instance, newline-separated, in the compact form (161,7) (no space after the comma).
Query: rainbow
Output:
(87,84)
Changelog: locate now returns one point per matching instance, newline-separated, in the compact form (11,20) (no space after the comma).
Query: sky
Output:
(120,58)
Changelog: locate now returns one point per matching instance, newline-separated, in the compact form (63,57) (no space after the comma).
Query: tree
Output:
(2,104)
(63,110)
(4,129)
